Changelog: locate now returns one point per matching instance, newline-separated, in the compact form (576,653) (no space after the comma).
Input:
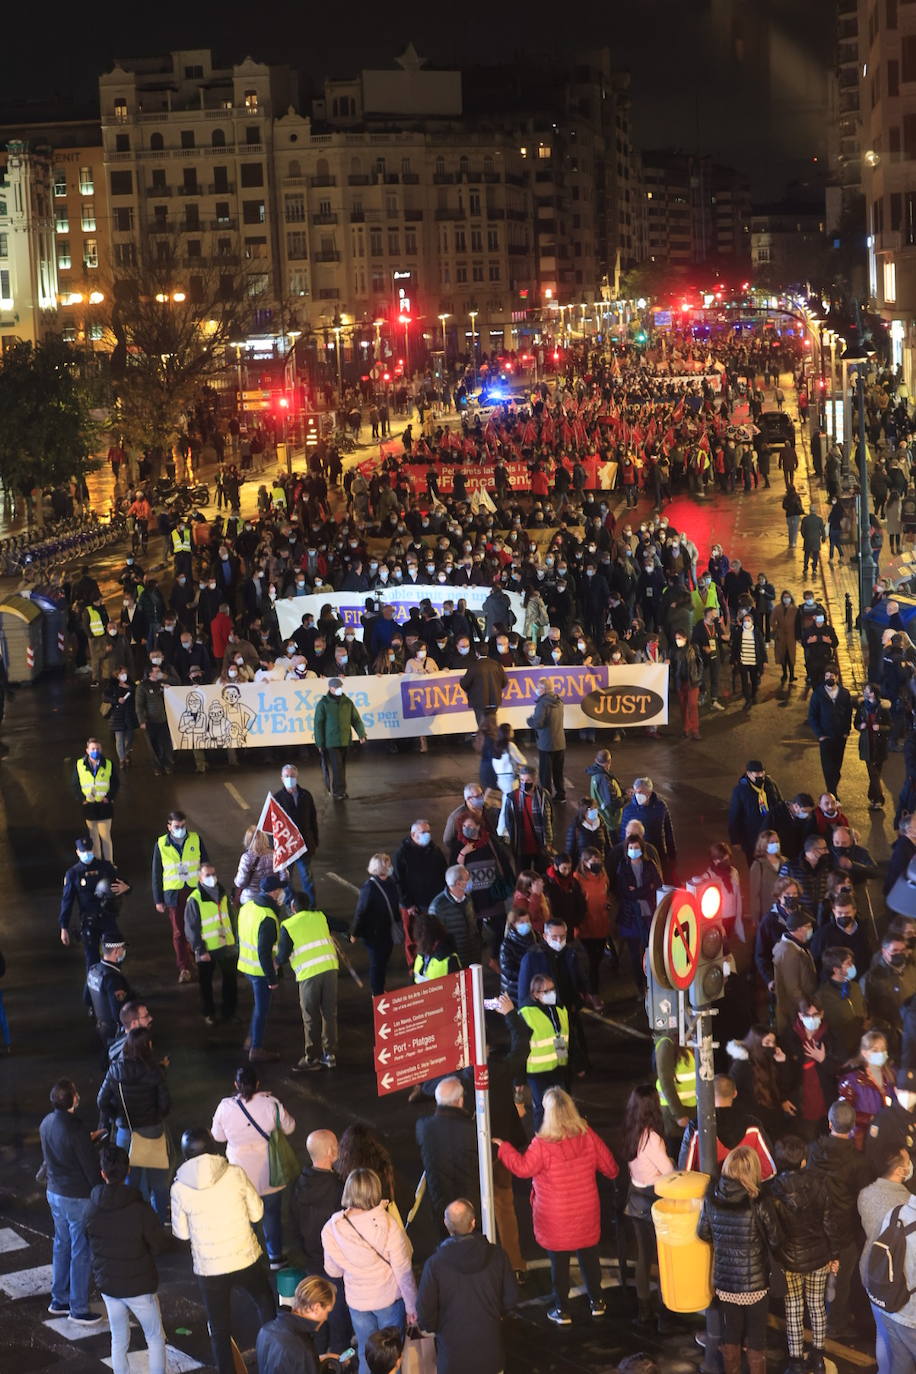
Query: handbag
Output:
(396,925)
(105,710)
(419,1355)
(639,1203)
(145,1151)
(282,1160)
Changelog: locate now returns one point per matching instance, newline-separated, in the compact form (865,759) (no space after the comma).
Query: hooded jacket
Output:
(604,788)
(145,1100)
(448,1149)
(371,1252)
(846,1172)
(546,720)
(743,1230)
(466,1287)
(213,1206)
(316,1197)
(124,1235)
(806,1216)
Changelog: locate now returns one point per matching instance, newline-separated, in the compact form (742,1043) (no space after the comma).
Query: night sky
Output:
(741,79)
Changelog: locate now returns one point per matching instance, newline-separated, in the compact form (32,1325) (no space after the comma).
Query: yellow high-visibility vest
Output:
(685,1081)
(94,786)
(215,920)
(180,870)
(313,948)
(96,623)
(543,1052)
(425,969)
(181,540)
(250,917)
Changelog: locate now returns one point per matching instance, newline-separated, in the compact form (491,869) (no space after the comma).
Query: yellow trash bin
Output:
(684,1261)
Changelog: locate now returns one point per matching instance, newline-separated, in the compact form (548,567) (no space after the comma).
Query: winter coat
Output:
(69,1155)
(579,837)
(466,1287)
(246,1147)
(596,891)
(830,718)
(604,788)
(795,977)
(746,818)
(448,1150)
(783,623)
(213,1206)
(316,1197)
(370,1250)
(377,913)
(803,1206)
(546,720)
(846,1173)
(686,667)
(656,818)
(858,1089)
(124,1235)
(484,683)
(146,1097)
(743,1231)
(460,925)
(872,743)
(419,872)
(632,919)
(286,1346)
(336,718)
(565,1206)
(512,951)
(510,818)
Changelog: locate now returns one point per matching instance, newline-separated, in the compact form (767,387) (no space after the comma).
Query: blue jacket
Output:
(656,817)
(830,718)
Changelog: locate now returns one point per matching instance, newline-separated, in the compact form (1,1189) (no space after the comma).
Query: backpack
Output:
(885,1269)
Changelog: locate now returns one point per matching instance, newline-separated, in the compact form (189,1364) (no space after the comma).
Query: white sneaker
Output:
(717,706)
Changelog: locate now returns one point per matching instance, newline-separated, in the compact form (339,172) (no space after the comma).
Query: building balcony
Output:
(326,257)
(413,216)
(324,219)
(410,178)
(323,181)
(161,226)
(450,214)
(154,191)
(229,223)
(358,179)
(328,293)
(226,188)
(195,190)
(248,148)
(443,178)
(492,177)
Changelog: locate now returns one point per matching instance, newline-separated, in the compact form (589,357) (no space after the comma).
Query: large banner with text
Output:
(349,606)
(404,706)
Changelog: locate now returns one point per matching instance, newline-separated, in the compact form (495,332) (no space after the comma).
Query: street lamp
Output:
(405,321)
(854,355)
(442,319)
(336,328)
(473,314)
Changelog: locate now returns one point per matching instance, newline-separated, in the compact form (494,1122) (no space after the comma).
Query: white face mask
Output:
(555,944)
(811,1023)
(548,999)
(290,783)
(773,847)
(877,1058)
(179,832)
(208,879)
(641,797)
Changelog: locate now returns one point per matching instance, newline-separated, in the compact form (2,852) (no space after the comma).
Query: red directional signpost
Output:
(422,1032)
(432,1030)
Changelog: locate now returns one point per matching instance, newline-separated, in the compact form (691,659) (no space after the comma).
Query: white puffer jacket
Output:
(213,1206)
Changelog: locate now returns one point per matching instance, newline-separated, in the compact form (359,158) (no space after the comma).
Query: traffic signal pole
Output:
(703,1047)
(482,1106)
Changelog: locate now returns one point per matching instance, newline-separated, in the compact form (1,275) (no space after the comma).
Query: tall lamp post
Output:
(473,314)
(856,356)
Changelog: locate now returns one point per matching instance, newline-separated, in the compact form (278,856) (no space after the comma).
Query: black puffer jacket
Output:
(146,1095)
(806,1218)
(743,1231)
(847,1173)
(124,1235)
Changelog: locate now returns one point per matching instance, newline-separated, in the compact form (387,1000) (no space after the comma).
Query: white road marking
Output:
(176,1361)
(236,796)
(72,1331)
(343,881)
(26,1283)
(618,1025)
(11,1240)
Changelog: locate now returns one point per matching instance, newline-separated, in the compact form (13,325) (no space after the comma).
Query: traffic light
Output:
(661,1004)
(708,983)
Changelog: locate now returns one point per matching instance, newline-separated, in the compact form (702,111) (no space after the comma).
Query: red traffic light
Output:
(710,902)
(283,402)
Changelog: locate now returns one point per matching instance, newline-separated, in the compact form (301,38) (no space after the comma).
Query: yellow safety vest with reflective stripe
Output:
(685,1081)
(278,496)
(180,870)
(94,786)
(250,917)
(215,920)
(424,969)
(96,623)
(313,948)
(542,1049)
(181,540)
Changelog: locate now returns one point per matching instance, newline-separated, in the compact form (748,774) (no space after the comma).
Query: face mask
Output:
(830,682)
(122,677)
(787,601)
(290,784)
(463,650)
(179,832)
(851,974)
(156,662)
(773,847)
(523,927)
(878,1058)
(818,620)
(633,852)
(593,867)
(898,961)
(548,998)
(470,832)
(343,659)
(336,691)
(681,643)
(208,879)
(233,673)
(84,855)
(591,815)
(424,838)
(811,1023)
(641,797)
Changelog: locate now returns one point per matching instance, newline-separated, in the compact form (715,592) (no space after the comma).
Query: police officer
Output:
(259,934)
(96,782)
(108,990)
(894,1127)
(306,944)
(98,915)
(177,857)
(208,930)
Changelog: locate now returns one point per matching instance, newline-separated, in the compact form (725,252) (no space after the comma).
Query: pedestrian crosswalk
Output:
(24,1295)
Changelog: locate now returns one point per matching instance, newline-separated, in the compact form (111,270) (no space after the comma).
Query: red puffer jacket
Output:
(564,1193)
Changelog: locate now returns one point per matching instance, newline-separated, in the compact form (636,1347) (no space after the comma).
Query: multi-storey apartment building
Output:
(28,267)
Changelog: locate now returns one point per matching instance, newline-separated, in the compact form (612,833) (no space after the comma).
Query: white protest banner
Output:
(349,606)
(403,705)
(288,841)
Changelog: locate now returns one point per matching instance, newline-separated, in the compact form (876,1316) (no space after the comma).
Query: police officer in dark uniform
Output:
(97,911)
(108,989)
(894,1127)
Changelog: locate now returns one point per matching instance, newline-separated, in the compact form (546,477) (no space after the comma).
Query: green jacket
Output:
(335,720)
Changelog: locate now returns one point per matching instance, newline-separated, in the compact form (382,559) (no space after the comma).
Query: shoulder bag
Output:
(282,1160)
(145,1152)
(397,929)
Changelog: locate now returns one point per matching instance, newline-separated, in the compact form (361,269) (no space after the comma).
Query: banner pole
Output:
(482,1107)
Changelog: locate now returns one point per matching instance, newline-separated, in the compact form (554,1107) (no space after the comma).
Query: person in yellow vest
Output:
(209,931)
(548,1049)
(180,542)
(676,1085)
(95,623)
(306,945)
(259,935)
(435,950)
(96,782)
(177,857)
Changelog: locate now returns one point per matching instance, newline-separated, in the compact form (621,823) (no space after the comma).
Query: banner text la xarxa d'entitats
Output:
(405,705)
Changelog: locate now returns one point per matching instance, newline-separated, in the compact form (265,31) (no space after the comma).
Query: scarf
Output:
(761,794)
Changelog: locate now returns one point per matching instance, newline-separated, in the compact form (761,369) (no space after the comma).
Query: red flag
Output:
(288,841)
(678,413)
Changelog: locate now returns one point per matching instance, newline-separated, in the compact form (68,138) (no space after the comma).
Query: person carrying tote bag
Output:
(133,1099)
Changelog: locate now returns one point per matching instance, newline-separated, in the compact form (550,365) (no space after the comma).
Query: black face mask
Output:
(789,904)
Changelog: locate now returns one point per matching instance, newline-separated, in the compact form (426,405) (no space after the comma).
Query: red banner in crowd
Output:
(288,841)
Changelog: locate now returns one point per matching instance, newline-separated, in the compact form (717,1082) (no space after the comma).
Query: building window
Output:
(379,166)
(158,179)
(193,248)
(125,254)
(187,138)
(375,243)
(255,247)
(62,222)
(123,219)
(445,275)
(122,143)
(295,245)
(223,248)
(394,243)
(909,135)
(440,166)
(324,208)
(405,166)
(122,184)
(90,253)
(891,14)
(890,283)
(299,282)
(461,273)
(378,280)
(218,138)
(194,73)
(222,214)
(493,240)
(191,217)
(120,110)
(410,241)
(908,57)
(544,151)
(156,143)
(476,241)
(477,271)
(252,134)
(4,246)
(460,244)
(60,181)
(251,100)
(64,260)
(294,209)
(87,216)
(251,174)
(253,211)
(474,201)
(87,182)
(494,271)
(5,296)
(893,77)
